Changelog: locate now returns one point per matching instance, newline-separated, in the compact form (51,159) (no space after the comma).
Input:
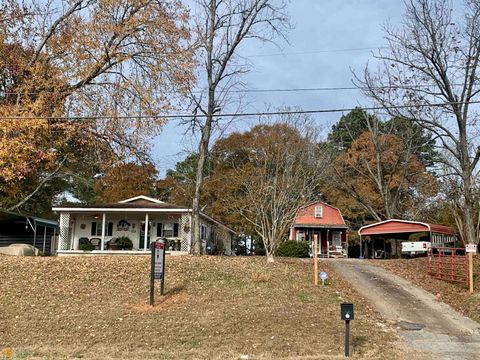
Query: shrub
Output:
(87,247)
(259,247)
(291,248)
(124,243)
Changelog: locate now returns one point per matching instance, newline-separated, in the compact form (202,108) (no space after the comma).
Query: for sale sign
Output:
(157,268)
(471,248)
(158,254)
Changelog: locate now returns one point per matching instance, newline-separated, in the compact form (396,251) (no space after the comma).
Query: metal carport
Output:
(17,228)
(396,229)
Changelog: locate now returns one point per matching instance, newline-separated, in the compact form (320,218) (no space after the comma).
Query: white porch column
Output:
(146,233)
(64,238)
(60,235)
(104,219)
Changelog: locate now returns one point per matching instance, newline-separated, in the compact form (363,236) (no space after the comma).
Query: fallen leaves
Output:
(454,294)
(214,308)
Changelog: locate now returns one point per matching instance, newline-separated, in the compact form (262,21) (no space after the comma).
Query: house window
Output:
(203,232)
(318,211)
(167,229)
(96,229)
(300,236)
(337,238)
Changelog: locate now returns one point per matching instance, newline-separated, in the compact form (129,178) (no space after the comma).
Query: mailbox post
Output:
(346,313)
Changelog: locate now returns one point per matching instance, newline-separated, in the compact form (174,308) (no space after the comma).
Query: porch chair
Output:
(83,241)
(112,244)
(96,242)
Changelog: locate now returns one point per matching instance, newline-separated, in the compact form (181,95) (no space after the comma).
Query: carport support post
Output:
(315,257)
(361,252)
(34,232)
(53,241)
(44,238)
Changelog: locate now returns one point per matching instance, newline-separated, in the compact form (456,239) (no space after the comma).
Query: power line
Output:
(314,52)
(232,115)
(253,90)
(334,88)
(338,88)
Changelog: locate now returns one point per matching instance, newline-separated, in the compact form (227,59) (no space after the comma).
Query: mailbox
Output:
(346,311)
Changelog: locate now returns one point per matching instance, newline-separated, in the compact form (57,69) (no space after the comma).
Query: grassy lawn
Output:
(454,294)
(215,308)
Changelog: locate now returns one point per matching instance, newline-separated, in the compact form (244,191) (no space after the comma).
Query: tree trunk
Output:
(202,157)
(223,26)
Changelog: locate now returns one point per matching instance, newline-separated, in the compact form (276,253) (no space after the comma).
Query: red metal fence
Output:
(449,264)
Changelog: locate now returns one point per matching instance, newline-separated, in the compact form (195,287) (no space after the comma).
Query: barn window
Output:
(318,211)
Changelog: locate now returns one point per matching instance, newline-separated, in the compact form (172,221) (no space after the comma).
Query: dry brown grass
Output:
(454,294)
(216,308)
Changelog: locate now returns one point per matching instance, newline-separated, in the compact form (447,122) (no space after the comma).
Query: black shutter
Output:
(94,229)
(175,230)
(159,229)
(110,229)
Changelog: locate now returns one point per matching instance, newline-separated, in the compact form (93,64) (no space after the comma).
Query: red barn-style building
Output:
(327,222)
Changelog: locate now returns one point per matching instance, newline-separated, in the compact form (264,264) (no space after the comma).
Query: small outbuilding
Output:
(325,221)
(23,229)
(386,236)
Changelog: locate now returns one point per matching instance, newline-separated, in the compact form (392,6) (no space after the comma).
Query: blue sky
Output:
(317,56)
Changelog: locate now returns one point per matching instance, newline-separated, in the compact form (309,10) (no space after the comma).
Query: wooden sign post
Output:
(470,249)
(315,257)
(470,272)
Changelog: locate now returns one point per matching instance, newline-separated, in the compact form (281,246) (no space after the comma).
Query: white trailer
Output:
(416,247)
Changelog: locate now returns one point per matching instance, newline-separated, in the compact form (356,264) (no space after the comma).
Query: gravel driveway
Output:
(423,322)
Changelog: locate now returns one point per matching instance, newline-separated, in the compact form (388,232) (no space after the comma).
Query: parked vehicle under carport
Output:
(30,230)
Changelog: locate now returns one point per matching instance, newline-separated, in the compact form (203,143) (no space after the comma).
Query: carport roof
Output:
(395,226)
(7,217)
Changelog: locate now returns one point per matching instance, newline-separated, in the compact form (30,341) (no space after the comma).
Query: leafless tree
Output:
(222,26)
(280,170)
(431,66)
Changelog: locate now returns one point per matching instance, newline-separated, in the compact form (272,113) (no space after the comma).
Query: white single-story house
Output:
(142,219)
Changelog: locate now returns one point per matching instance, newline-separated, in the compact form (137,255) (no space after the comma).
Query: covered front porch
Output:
(104,232)
(332,242)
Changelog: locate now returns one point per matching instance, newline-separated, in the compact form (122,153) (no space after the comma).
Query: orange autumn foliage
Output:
(382,176)
(125,181)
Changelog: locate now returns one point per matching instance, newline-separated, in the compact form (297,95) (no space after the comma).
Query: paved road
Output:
(423,322)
